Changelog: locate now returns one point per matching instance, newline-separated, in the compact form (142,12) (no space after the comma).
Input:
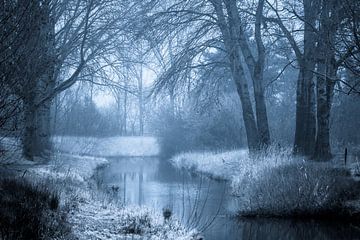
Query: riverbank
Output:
(275,184)
(93,215)
(107,146)
(233,166)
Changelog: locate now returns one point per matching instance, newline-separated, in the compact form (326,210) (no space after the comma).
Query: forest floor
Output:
(275,183)
(94,215)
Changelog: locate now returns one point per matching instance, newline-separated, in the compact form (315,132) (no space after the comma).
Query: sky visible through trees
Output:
(265,76)
(138,54)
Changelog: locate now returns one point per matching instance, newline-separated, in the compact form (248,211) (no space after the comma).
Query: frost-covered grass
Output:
(222,165)
(11,152)
(298,189)
(31,211)
(67,166)
(274,183)
(103,220)
(106,147)
(93,215)
(232,165)
(10,148)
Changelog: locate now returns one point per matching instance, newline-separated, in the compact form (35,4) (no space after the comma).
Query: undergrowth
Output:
(297,190)
(279,185)
(29,211)
(274,183)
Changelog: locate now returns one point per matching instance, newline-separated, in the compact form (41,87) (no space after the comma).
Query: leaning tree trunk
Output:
(247,110)
(256,67)
(230,36)
(258,79)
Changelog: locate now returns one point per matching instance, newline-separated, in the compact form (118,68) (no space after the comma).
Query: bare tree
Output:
(322,52)
(51,45)
(216,23)
(305,95)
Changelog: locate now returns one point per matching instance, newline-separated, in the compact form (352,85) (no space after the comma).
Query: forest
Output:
(179,119)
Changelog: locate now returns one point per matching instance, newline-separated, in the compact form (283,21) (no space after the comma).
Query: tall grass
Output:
(299,189)
(29,211)
(275,183)
(278,184)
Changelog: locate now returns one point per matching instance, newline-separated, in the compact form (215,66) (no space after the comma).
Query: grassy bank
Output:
(107,147)
(84,212)
(275,184)
(31,211)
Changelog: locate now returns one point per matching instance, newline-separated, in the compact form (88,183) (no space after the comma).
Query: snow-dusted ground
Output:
(222,165)
(234,166)
(107,147)
(63,166)
(93,215)
(230,164)
(275,183)
(107,221)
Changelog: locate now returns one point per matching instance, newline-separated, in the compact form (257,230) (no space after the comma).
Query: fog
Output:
(182,116)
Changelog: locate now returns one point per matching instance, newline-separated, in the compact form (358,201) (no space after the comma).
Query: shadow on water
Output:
(296,229)
(202,203)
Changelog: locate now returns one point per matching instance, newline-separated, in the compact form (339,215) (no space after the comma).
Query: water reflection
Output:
(203,203)
(295,229)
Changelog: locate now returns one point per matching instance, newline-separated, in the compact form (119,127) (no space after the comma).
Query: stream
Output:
(204,204)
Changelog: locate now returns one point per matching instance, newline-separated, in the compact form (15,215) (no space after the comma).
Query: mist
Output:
(172,119)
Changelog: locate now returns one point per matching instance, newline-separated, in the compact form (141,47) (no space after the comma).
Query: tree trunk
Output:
(305,129)
(330,19)
(28,142)
(256,67)
(43,129)
(247,111)
(37,132)
(258,79)
(125,117)
(230,36)
(261,112)
(172,102)
(324,87)
(141,102)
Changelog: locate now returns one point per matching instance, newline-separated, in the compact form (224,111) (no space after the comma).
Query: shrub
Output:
(298,189)
(30,212)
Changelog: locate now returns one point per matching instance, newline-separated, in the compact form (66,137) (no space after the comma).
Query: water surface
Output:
(204,203)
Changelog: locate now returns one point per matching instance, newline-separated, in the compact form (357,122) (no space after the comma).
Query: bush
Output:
(274,183)
(30,212)
(298,189)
